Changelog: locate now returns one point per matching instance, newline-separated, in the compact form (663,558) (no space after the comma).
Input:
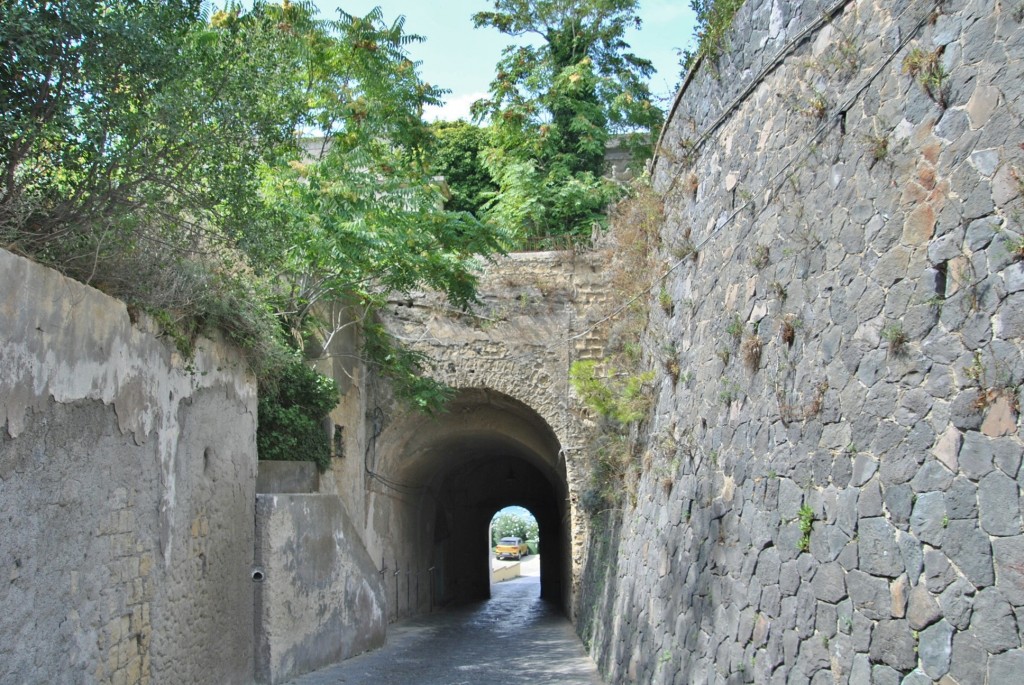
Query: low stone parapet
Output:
(506,570)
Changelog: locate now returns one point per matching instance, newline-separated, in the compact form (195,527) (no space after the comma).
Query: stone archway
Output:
(444,477)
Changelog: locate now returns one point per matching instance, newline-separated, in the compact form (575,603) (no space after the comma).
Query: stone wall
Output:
(831,489)
(533,320)
(126,494)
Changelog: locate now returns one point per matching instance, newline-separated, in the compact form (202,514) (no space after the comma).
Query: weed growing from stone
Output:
(818,401)
(1015,247)
(760,258)
(778,291)
(1019,178)
(610,393)
(751,351)
(787,330)
(816,106)
(685,250)
(844,59)
(747,199)
(789,411)
(729,393)
(692,184)
(937,301)
(714,17)
(805,516)
(897,339)
(926,68)
(724,354)
(976,370)
(672,369)
(688,147)
(877,145)
(735,327)
(665,301)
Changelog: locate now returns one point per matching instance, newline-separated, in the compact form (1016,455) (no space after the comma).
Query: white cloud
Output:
(455,108)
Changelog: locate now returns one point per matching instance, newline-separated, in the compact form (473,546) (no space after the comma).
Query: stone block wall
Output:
(126,494)
(831,490)
(534,318)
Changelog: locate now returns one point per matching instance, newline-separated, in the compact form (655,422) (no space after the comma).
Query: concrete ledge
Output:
(287,477)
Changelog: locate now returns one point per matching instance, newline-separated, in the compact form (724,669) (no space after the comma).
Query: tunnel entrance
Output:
(487,452)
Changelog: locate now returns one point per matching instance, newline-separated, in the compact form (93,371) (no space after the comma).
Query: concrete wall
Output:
(126,491)
(880,402)
(321,597)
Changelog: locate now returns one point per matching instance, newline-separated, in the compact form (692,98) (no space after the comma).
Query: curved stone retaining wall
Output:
(833,487)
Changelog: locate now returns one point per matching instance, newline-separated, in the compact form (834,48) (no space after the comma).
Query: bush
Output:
(292,413)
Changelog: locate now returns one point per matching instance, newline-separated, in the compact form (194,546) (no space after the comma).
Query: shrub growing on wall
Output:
(292,413)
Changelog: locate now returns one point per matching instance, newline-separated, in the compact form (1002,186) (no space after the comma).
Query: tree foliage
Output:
(513,524)
(150,149)
(456,155)
(553,107)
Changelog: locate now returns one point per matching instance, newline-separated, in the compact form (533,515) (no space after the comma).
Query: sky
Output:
(515,511)
(460,58)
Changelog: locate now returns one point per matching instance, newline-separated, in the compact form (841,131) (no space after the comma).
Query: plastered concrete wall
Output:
(126,495)
(321,598)
(839,499)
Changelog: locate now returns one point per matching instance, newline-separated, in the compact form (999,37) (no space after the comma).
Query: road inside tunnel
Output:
(513,638)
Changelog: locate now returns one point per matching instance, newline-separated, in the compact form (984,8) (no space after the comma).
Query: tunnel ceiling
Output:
(481,425)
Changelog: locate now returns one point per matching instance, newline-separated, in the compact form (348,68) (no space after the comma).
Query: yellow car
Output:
(511,548)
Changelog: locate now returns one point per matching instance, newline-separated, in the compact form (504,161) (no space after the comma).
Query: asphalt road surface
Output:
(512,639)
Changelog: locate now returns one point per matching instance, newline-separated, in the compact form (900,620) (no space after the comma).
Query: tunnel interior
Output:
(487,452)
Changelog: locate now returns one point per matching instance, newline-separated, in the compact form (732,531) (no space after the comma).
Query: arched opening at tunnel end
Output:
(513,545)
(487,452)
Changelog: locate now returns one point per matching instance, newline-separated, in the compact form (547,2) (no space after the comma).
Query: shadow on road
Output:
(514,638)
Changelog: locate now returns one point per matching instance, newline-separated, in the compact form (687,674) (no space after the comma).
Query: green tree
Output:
(553,107)
(456,155)
(149,148)
(513,524)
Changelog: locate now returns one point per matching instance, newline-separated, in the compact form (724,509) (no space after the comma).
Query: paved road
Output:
(512,639)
